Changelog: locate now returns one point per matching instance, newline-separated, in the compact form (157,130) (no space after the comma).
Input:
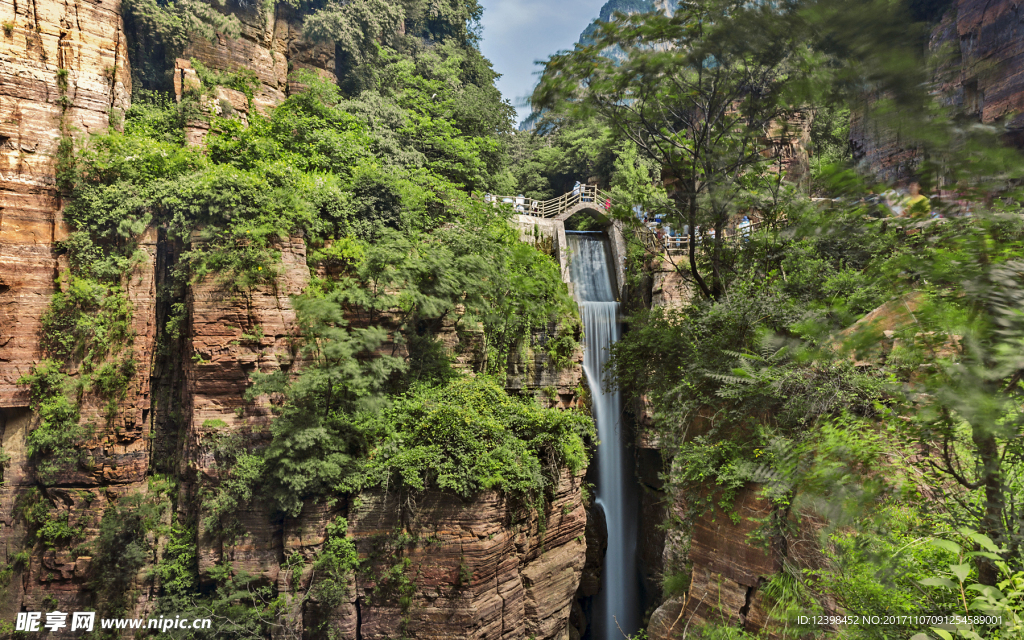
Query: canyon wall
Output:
(980,46)
(483,568)
(85,43)
(981,76)
(62,66)
(723,550)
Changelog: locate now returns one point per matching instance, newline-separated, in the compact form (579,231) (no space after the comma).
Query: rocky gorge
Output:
(436,563)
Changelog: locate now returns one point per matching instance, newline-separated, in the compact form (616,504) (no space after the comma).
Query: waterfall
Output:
(618,604)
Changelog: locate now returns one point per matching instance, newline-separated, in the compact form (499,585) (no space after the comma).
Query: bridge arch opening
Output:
(587,219)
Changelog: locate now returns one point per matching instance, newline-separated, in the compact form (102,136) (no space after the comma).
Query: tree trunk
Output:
(717,284)
(991,477)
(691,211)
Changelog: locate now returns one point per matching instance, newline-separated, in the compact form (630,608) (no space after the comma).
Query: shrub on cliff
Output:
(470,436)
(320,166)
(329,438)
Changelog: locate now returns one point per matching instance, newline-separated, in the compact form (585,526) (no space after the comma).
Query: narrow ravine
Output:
(617,607)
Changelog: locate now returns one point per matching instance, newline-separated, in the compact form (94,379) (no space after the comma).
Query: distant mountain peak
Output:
(609,8)
(625,6)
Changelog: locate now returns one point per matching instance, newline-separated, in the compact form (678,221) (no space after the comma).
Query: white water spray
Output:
(618,604)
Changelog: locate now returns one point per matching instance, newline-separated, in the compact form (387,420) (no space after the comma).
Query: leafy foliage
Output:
(318,444)
(54,443)
(470,436)
(336,563)
(161,30)
(46,524)
(694,92)
(547,162)
(373,174)
(761,380)
(356,27)
(774,378)
(122,549)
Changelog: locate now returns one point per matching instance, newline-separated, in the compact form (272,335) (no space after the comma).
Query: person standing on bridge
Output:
(669,233)
(745,229)
(576,189)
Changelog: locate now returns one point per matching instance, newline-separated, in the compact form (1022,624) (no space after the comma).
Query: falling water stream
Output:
(617,605)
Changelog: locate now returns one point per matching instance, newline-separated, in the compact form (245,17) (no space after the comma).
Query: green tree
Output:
(969,422)
(161,31)
(358,28)
(316,442)
(696,92)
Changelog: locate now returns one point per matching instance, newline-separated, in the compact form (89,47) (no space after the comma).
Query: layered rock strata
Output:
(728,568)
(980,44)
(732,555)
(270,46)
(84,44)
(488,568)
(63,71)
(986,70)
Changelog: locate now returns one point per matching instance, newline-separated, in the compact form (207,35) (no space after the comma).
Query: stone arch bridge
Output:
(544,221)
(598,204)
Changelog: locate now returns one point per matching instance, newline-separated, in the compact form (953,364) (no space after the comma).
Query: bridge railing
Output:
(652,240)
(679,244)
(554,207)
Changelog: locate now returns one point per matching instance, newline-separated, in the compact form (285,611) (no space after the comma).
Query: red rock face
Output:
(881,150)
(216,376)
(483,569)
(86,39)
(272,47)
(981,43)
(727,567)
(990,35)
(732,555)
(728,570)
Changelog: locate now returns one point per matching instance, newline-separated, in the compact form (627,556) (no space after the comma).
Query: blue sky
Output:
(519,32)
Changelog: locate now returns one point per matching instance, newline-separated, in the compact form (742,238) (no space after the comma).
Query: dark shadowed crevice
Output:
(749,599)
(168,375)
(359,619)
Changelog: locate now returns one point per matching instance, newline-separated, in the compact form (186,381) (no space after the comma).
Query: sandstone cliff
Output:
(482,569)
(979,45)
(41,42)
(85,40)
